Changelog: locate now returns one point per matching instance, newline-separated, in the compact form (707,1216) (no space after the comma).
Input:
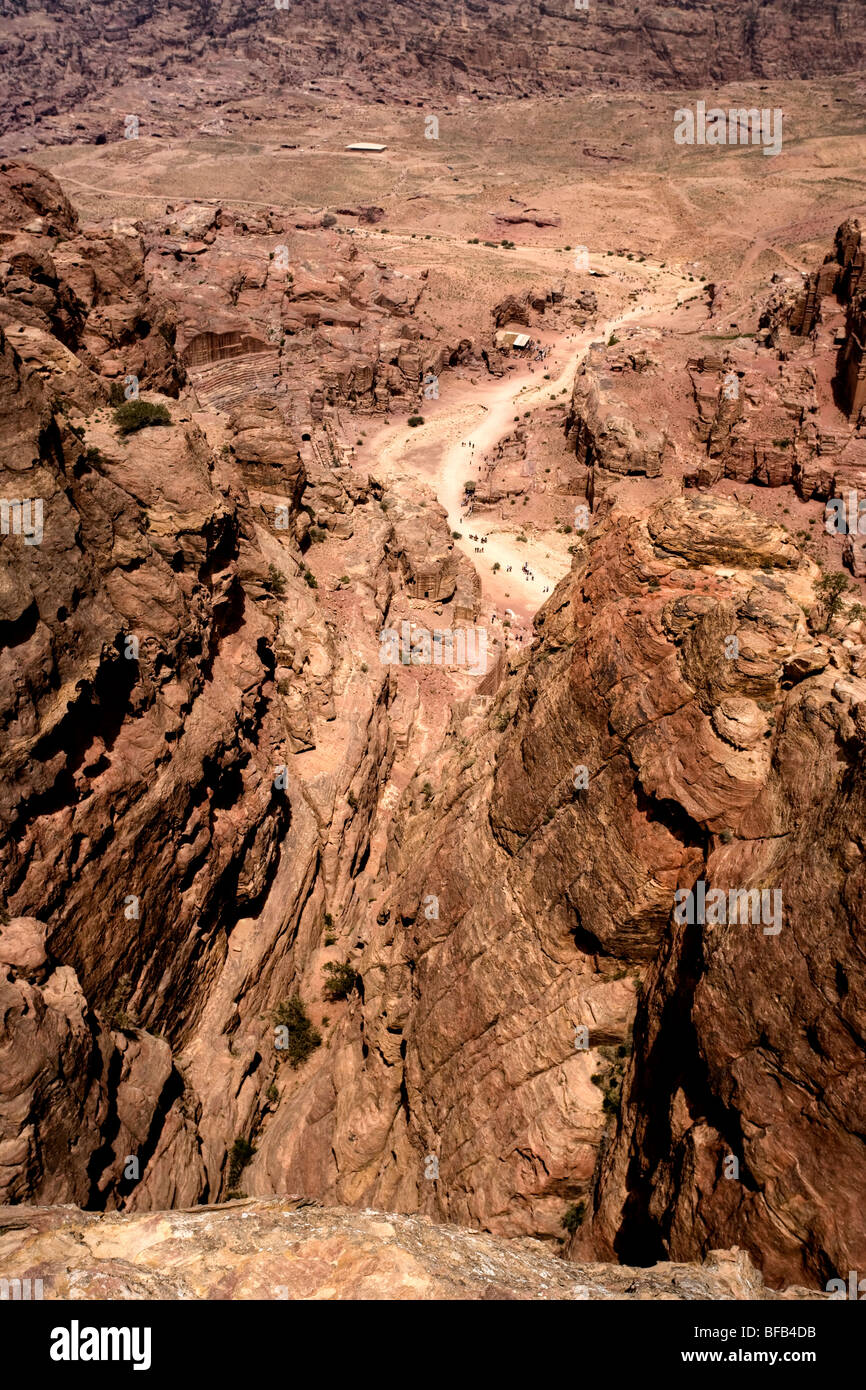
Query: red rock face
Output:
(698,767)
(163,657)
(126,632)
(409,47)
(720,1070)
(293,314)
(214,789)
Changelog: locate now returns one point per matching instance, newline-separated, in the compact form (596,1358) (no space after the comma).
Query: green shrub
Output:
(276,581)
(830,590)
(241,1153)
(136,415)
(342,979)
(303,1038)
(610,1081)
(415,420)
(573,1217)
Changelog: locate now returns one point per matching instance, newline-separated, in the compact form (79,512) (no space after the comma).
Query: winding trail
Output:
(464,430)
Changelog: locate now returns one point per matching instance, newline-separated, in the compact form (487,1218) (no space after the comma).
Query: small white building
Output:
(509,339)
(363,148)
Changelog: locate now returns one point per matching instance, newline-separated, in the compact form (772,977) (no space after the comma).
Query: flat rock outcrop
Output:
(292,1248)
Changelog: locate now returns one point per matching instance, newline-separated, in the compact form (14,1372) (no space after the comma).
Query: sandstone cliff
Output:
(224,815)
(60,61)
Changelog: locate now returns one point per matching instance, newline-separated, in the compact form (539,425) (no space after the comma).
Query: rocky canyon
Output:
(432,651)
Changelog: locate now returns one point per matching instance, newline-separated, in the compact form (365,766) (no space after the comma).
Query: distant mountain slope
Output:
(59,54)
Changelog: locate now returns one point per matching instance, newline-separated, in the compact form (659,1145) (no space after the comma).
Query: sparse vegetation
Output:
(341,980)
(276,581)
(416,420)
(116,1013)
(610,1080)
(137,415)
(573,1217)
(302,1037)
(831,589)
(241,1154)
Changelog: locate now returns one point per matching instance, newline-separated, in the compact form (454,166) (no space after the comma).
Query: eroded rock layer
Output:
(226,816)
(58,59)
(295,1249)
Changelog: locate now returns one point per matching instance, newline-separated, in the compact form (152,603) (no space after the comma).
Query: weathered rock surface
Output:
(56,61)
(296,317)
(169,864)
(215,794)
(291,1248)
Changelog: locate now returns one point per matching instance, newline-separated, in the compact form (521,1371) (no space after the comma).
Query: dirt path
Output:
(463,432)
(466,431)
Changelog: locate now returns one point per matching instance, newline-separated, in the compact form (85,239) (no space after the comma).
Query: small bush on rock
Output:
(136,415)
(302,1037)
